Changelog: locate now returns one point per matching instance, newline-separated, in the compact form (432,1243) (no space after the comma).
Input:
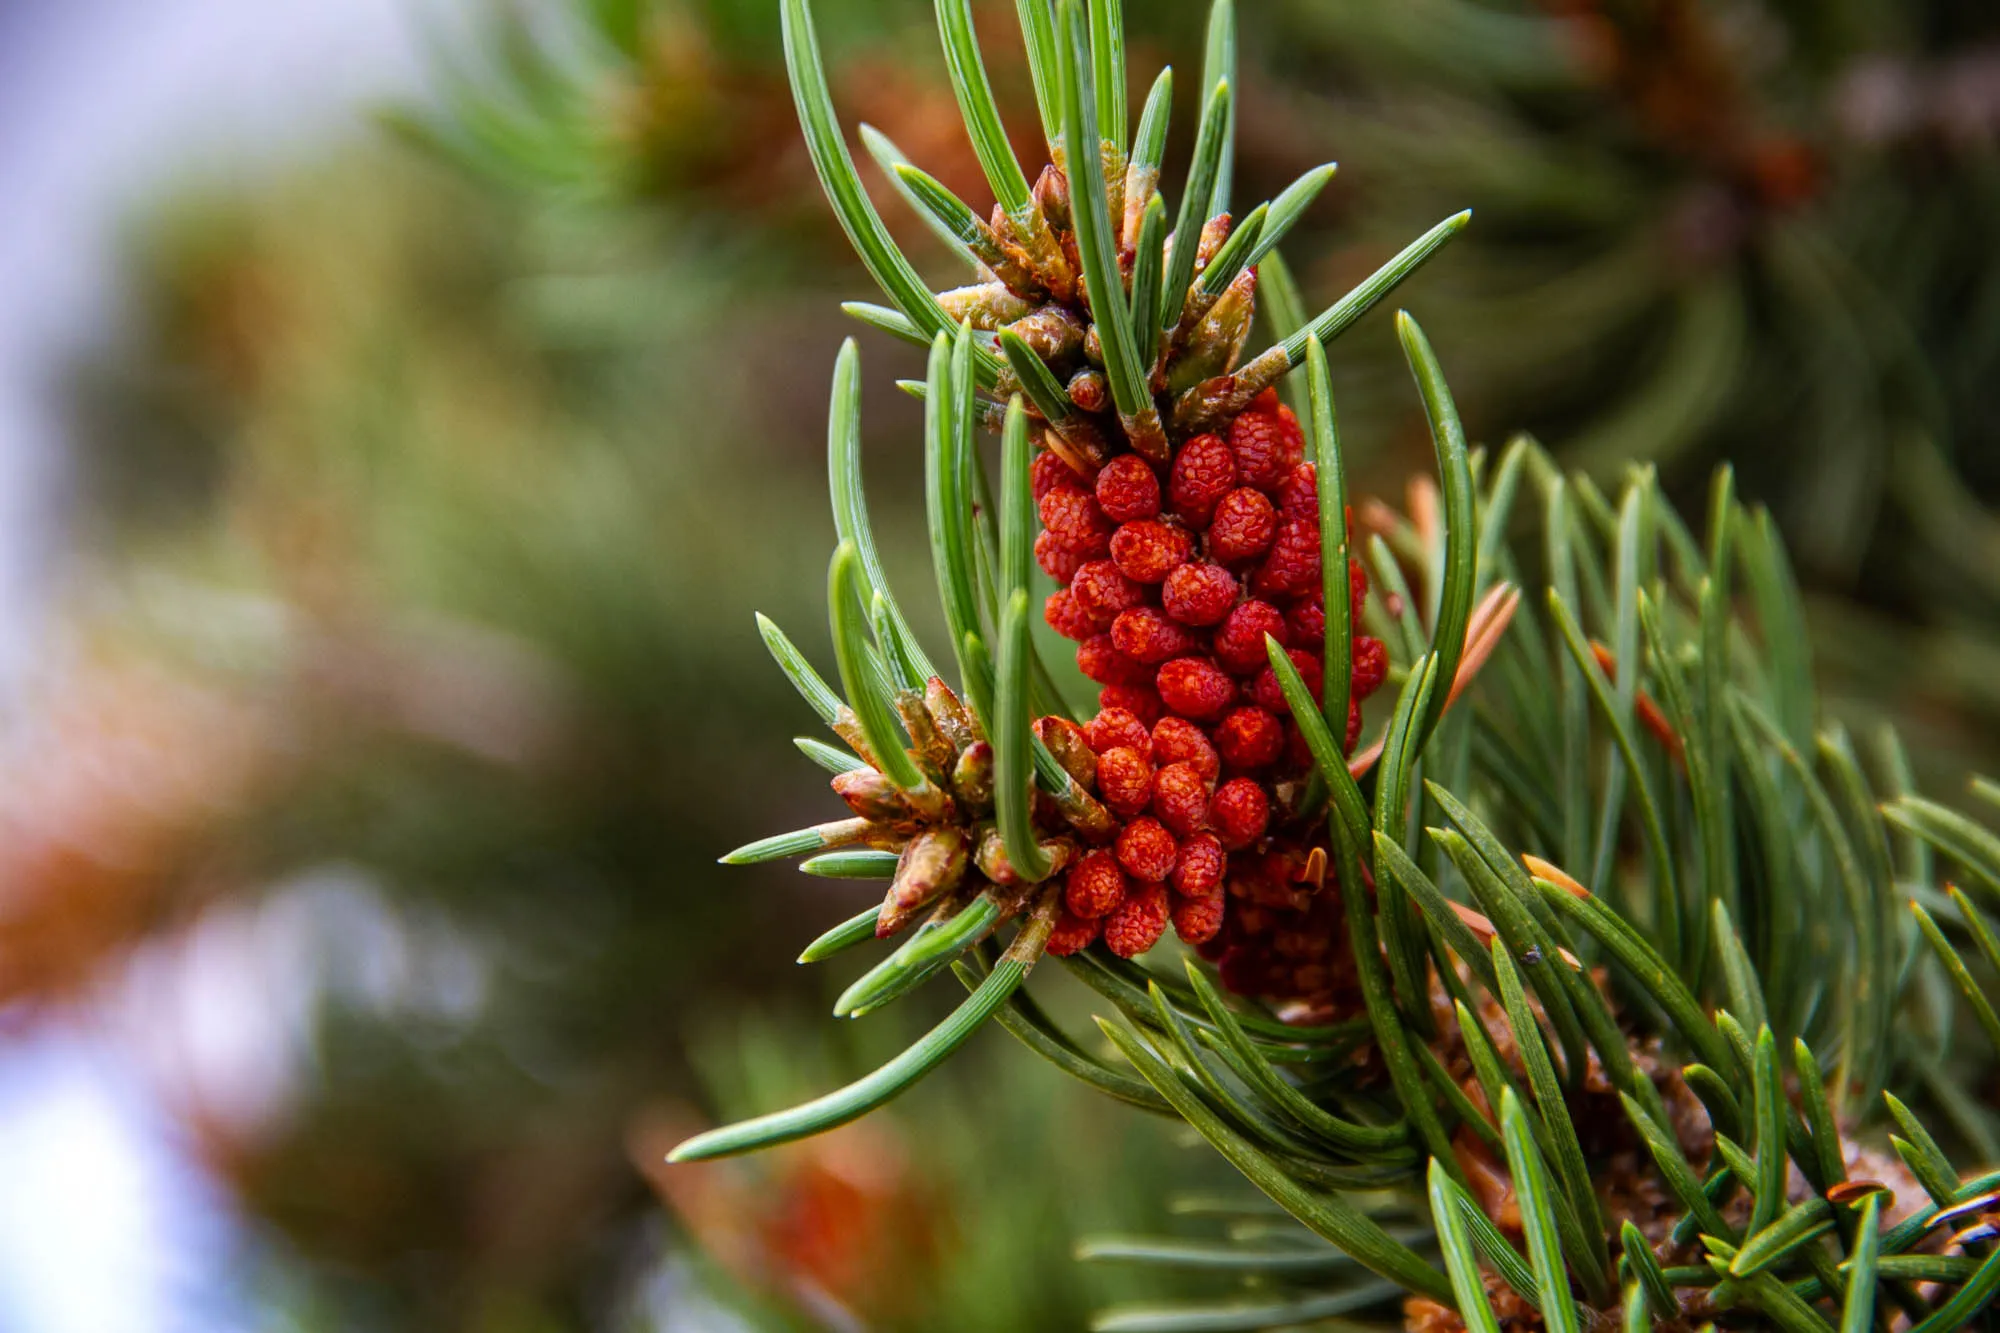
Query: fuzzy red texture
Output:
(1288,424)
(1194,687)
(1103,591)
(1244,524)
(1125,781)
(1073,515)
(1292,566)
(1073,934)
(1177,740)
(1047,472)
(1249,738)
(1142,701)
(1199,870)
(1057,561)
(1116,727)
(1146,551)
(1266,691)
(1095,885)
(1146,850)
(1282,945)
(1145,634)
(1180,797)
(1240,811)
(1127,490)
(1239,644)
(1198,594)
(1307,617)
(1198,919)
(1298,755)
(1298,494)
(1099,659)
(1306,621)
(1139,921)
(1177,639)
(1267,444)
(1067,618)
(1371,665)
(1203,471)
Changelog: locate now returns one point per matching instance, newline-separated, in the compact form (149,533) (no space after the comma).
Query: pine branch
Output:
(1631,777)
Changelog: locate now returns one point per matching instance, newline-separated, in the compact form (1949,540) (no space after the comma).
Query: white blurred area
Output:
(107,1224)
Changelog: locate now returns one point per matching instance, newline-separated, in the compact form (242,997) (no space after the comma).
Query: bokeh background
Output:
(404,404)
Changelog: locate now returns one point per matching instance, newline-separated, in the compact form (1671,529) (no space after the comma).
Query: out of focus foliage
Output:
(1738,230)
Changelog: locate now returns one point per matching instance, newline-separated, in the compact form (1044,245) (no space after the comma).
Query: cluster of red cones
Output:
(1173,577)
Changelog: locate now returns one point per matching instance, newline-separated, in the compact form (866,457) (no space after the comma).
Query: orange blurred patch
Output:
(838,1217)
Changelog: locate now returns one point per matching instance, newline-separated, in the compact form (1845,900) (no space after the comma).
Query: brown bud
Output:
(1208,404)
(1061,853)
(1213,233)
(1055,335)
(857,832)
(1088,390)
(1141,183)
(1002,256)
(1052,197)
(972,777)
(992,857)
(1081,445)
(1065,740)
(988,305)
(950,715)
(1085,813)
(1212,402)
(1217,339)
(932,865)
(992,861)
(1194,304)
(892,918)
(1147,435)
(1020,896)
(937,752)
(848,727)
(1034,241)
(1111,162)
(871,795)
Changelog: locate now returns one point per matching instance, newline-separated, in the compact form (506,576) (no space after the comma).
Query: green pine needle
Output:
(844,189)
(1201,187)
(979,109)
(929,948)
(1327,1215)
(855,930)
(852,865)
(1097,243)
(864,688)
(1533,1192)
(859,1098)
(1459,1260)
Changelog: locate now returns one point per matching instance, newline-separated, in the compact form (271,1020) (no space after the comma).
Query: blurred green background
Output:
(424,488)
